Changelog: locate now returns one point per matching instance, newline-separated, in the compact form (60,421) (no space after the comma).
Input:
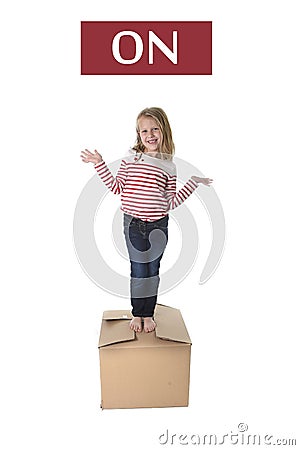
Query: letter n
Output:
(170,54)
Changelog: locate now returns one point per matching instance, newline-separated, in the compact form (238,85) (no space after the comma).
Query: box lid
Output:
(169,326)
(115,328)
(120,314)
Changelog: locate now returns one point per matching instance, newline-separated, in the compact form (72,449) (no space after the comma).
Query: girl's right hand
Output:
(87,156)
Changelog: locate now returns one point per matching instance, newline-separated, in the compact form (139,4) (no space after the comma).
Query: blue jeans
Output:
(146,242)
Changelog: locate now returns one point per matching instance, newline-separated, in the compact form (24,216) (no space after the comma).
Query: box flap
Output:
(170,324)
(120,314)
(114,331)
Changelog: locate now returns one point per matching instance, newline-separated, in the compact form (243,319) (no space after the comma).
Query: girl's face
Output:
(150,134)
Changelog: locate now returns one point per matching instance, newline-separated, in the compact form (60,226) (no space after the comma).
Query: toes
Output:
(149,325)
(135,325)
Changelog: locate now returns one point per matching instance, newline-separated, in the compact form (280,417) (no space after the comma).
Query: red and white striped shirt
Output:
(147,186)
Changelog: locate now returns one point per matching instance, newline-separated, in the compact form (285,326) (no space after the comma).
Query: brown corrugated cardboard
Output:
(144,370)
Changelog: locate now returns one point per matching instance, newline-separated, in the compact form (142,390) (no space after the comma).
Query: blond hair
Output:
(167,147)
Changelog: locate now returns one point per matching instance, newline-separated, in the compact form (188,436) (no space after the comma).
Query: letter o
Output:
(138,47)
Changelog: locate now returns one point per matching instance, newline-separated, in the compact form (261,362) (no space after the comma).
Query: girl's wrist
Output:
(196,179)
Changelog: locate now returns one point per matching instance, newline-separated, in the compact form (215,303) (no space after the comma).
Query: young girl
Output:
(146,181)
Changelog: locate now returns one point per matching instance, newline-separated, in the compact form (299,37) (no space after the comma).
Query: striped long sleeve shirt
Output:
(147,186)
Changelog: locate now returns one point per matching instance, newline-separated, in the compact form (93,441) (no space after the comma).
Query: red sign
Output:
(146,48)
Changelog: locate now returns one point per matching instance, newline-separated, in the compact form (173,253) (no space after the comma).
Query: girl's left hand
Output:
(206,181)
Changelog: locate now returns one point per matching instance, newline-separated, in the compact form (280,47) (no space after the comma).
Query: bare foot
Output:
(149,324)
(136,324)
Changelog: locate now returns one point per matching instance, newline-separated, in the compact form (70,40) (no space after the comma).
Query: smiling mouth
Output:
(152,141)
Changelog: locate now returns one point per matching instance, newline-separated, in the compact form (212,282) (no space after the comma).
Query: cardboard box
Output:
(144,370)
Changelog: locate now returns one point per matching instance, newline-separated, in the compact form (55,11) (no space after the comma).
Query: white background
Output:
(239,127)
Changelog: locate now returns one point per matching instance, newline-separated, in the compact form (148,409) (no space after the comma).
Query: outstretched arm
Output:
(115,184)
(175,198)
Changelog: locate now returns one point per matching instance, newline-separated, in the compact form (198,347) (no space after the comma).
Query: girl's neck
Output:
(154,154)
